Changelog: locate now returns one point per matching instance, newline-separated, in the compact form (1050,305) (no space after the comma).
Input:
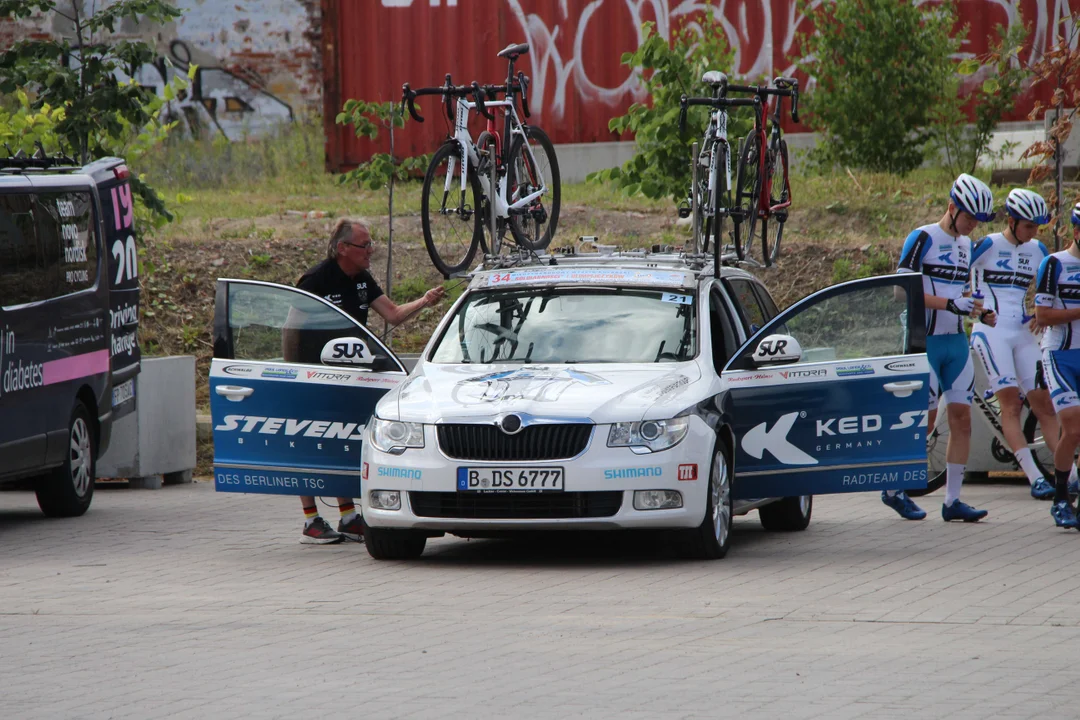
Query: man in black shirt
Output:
(344,280)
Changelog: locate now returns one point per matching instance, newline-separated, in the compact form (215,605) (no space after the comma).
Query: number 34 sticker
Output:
(675,298)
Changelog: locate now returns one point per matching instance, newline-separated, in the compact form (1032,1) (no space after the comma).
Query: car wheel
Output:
(68,490)
(788,515)
(711,539)
(386,544)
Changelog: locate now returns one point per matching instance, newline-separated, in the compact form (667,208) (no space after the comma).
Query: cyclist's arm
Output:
(290,335)
(1046,294)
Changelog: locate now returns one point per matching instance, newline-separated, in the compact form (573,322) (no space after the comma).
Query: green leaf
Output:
(968,67)
(991,86)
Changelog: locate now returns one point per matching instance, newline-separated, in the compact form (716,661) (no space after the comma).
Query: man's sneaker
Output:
(354,529)
(961,511)
(319,532)
(1042,490)
(1064,515)
(904,506)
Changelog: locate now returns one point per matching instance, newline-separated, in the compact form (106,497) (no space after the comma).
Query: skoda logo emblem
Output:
(510,424)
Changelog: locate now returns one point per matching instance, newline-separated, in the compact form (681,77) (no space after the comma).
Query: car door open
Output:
(831,395)
(293,384)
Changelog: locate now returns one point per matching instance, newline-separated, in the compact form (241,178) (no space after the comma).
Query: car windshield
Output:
(571,325)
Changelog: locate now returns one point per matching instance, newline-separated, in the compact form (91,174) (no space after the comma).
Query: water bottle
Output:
(977,308)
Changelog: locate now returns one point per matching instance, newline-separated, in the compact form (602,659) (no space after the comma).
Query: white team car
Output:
(646,391)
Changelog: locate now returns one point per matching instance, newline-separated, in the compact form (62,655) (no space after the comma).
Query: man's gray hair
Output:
(343,231)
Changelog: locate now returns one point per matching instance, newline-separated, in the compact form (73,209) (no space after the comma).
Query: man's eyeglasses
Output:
(365,246)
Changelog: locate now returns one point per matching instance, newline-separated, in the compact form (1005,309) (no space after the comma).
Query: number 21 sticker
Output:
(674,298)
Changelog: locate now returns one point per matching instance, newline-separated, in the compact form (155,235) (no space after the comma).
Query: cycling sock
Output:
(1061,485)
(310,513)
(954,478)
(348,512)
(1072,474)
(1027,464)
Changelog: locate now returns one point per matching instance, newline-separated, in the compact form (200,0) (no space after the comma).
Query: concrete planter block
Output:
(155,445)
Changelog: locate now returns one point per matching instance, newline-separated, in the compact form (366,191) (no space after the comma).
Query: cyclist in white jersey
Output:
(1003,267)
(941,252)
(1057,306)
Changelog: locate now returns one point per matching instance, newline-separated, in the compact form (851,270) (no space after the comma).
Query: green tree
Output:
(661,164)
(1005,75)
(100,114)
(882,68)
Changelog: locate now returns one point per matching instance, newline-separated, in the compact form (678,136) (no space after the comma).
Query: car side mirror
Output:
(777,349)
(347,351)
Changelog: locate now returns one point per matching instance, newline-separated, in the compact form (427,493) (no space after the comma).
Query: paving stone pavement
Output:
(184,603)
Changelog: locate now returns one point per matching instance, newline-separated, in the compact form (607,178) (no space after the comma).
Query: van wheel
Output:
(788,515)
(386,544)
(68,490)
(711,539)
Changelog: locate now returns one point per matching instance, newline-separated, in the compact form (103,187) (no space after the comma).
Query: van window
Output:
(46,246)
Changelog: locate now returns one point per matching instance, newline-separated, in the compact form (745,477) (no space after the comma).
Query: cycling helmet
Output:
(1076,214)
(1027,205)
(971,195)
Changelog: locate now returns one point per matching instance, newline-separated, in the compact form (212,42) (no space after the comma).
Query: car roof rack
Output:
(19,161)
(588,250)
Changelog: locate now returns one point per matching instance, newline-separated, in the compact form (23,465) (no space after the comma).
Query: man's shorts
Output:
(1008,355)
(1061,369)
(952,373)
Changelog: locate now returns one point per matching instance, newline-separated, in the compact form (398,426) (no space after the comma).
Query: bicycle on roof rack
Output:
(710,200)
(511,172)
(763,187)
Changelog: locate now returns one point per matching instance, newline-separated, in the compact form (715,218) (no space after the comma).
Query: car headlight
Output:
(392,436)
(649,435)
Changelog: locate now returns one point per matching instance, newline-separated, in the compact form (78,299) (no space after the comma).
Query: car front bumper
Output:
(599,488)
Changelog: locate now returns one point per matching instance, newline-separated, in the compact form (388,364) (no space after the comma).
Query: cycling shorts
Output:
(952,373)
(1008,355)
(1061,369)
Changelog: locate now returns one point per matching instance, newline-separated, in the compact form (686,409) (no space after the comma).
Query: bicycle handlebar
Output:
(448,91)
(784,87)
(688,102)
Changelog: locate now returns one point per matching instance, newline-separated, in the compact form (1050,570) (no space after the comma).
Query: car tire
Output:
(791,514)
(68,490)
(711,539)
(387,544)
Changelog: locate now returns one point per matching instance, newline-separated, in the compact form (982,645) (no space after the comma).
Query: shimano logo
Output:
(407,473)
(633,473)
(290,427)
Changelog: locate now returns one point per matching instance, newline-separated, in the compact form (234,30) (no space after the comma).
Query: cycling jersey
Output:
(1003,272)
(1058,286)
(943,261)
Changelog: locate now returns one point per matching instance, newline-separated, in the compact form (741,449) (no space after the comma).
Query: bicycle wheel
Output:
(451,220)
(488,168)
(936,443)
(1040,451)
(700,200)
(527,171)
(721,201)
(780,193)
(747,192)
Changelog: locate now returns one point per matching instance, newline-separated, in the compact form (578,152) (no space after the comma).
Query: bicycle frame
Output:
(470,155)
(716,134)
(765,209)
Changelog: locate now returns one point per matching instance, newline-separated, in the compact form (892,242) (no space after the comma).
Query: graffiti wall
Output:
(578,80)
(259,62)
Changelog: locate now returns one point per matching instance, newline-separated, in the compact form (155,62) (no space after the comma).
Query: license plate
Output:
(516,480)
(123,392)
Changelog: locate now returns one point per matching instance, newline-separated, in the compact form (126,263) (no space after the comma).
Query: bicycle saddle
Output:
(514,51)
(715,78)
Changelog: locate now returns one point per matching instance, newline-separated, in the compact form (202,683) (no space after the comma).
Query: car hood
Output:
(600,393)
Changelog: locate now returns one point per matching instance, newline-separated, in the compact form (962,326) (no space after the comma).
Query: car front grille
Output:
(535,506)
(536,442)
